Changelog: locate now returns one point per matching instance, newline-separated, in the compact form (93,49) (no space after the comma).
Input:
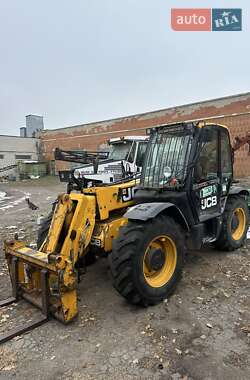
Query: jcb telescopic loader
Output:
(185,198)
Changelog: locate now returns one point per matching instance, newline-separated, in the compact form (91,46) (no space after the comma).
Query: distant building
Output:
(34,125)
(23,132)
(14,149)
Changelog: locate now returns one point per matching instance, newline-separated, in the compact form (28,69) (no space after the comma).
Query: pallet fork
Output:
(17,295)
(44,278)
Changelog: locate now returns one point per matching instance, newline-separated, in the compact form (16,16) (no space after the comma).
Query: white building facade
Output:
(14,149)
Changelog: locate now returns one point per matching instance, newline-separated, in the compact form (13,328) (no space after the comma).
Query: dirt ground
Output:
(202,332)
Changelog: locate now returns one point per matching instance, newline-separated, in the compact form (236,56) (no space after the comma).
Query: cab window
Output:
(131,156)
(141,153)
(226,156)
(207,166)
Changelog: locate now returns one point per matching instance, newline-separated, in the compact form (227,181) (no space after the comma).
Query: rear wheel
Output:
(234,225)
(147,260)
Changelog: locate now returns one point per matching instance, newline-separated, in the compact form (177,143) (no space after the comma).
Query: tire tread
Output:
(125,249)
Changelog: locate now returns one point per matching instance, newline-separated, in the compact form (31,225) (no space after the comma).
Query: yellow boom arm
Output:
(95,214)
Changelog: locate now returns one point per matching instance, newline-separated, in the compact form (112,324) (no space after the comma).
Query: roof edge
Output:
(20,137)
(149,112)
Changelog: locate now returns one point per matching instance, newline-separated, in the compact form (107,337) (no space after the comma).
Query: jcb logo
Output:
(128,194)
(208,202)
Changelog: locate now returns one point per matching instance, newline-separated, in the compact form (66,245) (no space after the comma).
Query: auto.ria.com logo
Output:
(206,19)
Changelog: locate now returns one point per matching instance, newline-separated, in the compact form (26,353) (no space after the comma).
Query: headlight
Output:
(77,173)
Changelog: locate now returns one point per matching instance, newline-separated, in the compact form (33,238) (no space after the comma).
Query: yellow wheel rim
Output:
(160,277)
(238,232)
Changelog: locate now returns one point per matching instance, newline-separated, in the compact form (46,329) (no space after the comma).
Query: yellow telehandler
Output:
(185,197)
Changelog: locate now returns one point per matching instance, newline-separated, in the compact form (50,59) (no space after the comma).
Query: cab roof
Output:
(203,124)
(117,140)
(192,123)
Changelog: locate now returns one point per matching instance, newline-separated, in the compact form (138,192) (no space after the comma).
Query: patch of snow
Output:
(248,233)
(2,195)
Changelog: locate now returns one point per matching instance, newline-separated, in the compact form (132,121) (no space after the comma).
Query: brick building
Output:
(233,111)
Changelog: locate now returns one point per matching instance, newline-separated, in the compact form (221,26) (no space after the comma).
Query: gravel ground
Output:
(202,332)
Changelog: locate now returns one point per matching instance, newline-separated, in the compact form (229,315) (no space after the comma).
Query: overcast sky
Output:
(87,60)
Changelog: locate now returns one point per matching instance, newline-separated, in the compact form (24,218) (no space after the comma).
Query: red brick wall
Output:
(90,136)
(238,126)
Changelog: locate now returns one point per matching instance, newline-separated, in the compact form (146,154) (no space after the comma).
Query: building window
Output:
(23,156)
(1,156)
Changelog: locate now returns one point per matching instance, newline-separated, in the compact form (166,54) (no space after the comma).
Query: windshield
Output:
(166,158)
(120,151)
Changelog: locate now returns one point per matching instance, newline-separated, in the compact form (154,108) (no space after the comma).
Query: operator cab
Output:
(124,160)
(131,150)
(121,161)
(189,165)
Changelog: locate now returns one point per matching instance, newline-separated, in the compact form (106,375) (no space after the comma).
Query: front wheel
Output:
(147,260)
(234,224)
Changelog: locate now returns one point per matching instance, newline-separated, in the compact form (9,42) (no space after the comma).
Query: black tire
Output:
(43,231)
(227,241)
(87,260)
(128,257)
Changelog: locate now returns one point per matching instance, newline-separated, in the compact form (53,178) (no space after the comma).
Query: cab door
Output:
(140,156)
(206,175)
(226,164)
